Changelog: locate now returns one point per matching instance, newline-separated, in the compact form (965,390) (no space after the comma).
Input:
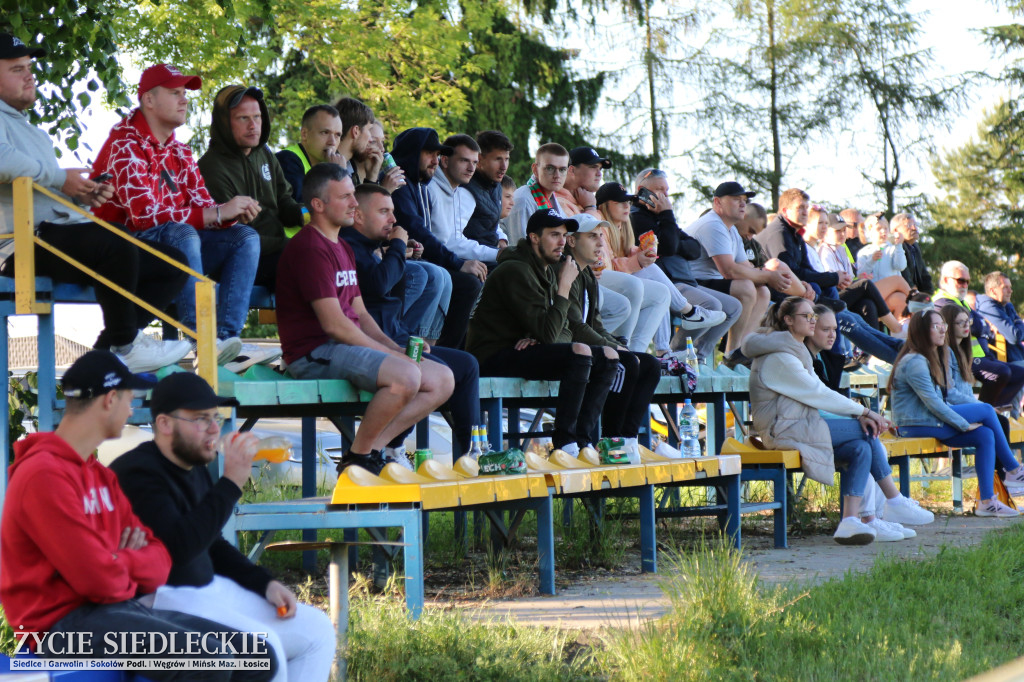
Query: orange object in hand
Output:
(274,449)
(648,241)
(282,611)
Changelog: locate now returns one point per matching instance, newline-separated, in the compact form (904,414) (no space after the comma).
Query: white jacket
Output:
(450,210)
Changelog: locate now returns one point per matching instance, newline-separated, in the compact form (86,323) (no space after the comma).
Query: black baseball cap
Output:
(433,144)
(612,191)
(12,47)
(548,217)
(732,189)
(185,391)
(98,372)
(586,155)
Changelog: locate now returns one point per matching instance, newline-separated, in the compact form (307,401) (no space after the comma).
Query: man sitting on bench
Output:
(171,490)
(76,564)
(327,332)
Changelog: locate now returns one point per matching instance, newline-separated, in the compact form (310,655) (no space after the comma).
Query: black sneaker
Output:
(736,358)
(373,462)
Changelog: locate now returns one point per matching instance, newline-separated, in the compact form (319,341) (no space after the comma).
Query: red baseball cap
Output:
(166,76)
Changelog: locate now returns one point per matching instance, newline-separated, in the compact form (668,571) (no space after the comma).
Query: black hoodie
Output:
(229,173)
(412,200)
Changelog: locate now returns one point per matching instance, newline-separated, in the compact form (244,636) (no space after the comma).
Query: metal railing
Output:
(28,303)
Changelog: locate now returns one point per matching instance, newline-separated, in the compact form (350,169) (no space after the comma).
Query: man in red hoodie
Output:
(77,566)
(160,195)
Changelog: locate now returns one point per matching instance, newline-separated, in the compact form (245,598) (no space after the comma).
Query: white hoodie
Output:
(450,210)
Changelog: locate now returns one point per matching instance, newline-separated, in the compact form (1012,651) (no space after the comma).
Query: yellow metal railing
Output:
(27,303)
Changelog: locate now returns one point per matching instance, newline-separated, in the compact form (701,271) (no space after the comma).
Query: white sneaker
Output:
(666,450)
(250,354)
(906,511)
(228,349)
(177,349)
(571,449)
(146,354)
(885,531)
(1015,480)
(399,456)
(852,531)
(995,508)
(700,318)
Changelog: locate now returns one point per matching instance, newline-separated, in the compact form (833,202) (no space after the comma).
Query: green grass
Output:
(949,617)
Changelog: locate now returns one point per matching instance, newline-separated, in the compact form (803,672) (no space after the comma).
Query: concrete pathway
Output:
(627,600)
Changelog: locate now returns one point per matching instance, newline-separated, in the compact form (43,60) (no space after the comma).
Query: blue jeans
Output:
(424,314)
(856,456)
(229,256)
(123,619)
(867,338)
(988,441)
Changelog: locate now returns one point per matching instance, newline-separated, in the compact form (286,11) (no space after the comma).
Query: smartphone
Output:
(101,178)
(646,196)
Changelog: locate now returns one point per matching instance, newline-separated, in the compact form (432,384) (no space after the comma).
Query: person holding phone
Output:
(27,151)
(920,387)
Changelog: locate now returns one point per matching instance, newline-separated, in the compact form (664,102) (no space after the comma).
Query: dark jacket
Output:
(675,247)
(1007,321)
(229,173)
(781,241)
(829,368)
(293,167)
(483,224)
(519,300)
(591,330)
(379,277)
(412,200)
(187,511)
(916,272)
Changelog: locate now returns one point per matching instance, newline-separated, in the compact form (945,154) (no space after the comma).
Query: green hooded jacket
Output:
(229,173)
(519,300)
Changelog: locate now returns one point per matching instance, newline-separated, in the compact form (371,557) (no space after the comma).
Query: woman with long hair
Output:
(785,396)
(922,389)
(625,256)
(880,494)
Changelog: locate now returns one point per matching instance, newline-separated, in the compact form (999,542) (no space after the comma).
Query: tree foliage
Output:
(81,43)
(980,218)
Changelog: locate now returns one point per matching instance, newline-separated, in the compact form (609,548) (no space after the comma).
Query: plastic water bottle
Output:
(689,431)
(691,357)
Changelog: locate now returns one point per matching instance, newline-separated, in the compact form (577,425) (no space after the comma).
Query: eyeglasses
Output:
(555,171)
(962,282)
(940,326)
(204,422)
(811,317)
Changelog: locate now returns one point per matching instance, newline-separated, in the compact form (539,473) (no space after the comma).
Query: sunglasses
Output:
(811,317)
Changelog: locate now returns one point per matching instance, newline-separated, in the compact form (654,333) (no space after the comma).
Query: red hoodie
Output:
(59,536)
(154,183)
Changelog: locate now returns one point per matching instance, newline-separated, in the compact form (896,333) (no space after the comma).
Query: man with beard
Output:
(171,490)
(356,137)
(417,151)
(521,328)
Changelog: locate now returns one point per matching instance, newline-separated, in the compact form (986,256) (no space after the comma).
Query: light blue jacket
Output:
(916,400)
(961,391)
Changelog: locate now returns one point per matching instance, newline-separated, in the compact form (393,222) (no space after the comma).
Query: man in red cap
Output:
(160,195)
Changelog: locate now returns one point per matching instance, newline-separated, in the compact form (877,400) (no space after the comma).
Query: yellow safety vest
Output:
(297,150)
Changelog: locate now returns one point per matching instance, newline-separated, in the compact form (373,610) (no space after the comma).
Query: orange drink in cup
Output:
(274,449)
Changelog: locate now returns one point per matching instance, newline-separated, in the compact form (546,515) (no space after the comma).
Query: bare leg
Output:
(436,385)
(398,383)
(894,290)
(754,300)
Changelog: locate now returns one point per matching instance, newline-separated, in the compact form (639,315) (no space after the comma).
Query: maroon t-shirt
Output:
(312,267)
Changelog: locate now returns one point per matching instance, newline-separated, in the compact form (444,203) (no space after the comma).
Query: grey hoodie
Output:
(26,151)
(450,210)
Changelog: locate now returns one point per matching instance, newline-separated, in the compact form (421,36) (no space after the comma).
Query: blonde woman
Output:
(883,261)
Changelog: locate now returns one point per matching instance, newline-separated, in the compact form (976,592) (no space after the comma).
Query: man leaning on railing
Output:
(26,151)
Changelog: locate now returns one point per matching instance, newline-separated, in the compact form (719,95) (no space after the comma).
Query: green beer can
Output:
(414,348)
(421,456)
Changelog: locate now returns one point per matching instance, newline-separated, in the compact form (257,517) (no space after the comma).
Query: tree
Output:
(767,82)
(887,70)
(81,43)
(980,220)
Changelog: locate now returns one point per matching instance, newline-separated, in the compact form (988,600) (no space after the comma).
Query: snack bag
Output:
(648,241)
(501,463)
(611,451)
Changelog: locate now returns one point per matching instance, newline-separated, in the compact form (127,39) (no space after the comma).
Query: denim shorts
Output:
(333,360)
